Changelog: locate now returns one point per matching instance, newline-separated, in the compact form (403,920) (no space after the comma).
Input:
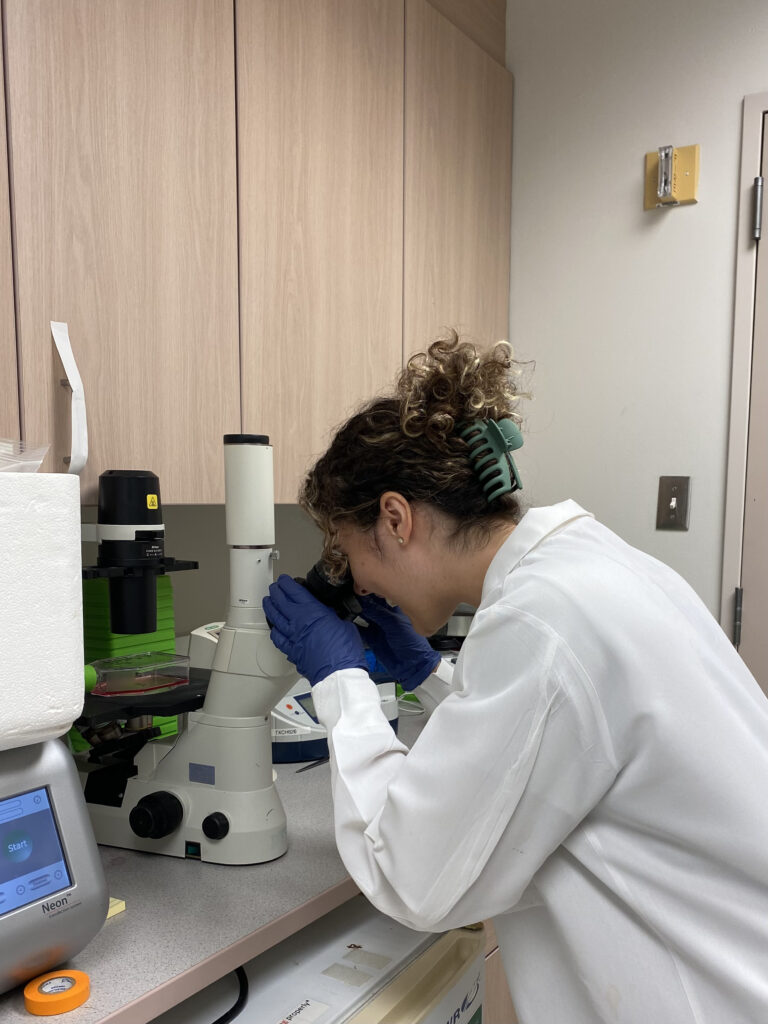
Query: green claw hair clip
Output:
(490,443)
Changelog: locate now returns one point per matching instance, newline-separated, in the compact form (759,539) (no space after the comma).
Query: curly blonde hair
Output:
(407,442)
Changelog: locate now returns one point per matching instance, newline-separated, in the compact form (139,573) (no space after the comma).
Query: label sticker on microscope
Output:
(205,773)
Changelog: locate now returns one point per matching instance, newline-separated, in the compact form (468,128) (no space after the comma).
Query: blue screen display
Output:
(32,863)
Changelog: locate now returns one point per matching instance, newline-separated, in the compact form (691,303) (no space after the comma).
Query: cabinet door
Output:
(9,378)
(458,153)
(485,21)
(497,1006)
(122,129)
(320,129)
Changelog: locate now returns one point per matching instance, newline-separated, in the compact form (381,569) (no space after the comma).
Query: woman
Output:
(593,774)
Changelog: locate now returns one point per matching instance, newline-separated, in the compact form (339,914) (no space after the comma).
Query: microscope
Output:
(130,534)
(209,794)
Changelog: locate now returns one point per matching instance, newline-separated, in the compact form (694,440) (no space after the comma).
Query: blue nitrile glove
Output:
(396,643)
(309,633)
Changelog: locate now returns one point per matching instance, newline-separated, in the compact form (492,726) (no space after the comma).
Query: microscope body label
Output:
(205,773)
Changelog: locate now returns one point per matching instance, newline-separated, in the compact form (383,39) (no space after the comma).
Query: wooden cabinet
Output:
(247,213)
(320,108)
(357,246)
(122,143)
(9,380)
(484,21)
(497,1006)
(458,155)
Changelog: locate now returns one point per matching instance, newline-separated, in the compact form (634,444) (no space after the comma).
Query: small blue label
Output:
(205,773)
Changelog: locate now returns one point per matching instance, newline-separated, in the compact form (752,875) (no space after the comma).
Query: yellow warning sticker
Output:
(151,501)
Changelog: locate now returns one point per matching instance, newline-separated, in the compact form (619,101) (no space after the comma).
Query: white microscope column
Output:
(220,769)
(232,731)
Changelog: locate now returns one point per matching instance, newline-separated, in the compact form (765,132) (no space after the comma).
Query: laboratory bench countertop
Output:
(187,923)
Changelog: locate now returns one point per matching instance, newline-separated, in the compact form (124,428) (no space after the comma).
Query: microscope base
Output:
(253,843)
(218,767)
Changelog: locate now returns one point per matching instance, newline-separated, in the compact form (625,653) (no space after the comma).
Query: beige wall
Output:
(629,314)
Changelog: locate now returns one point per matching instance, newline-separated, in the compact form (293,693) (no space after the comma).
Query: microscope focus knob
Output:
(156,816)
(216,825)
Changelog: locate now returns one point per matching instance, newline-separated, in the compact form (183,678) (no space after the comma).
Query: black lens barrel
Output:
(337,595)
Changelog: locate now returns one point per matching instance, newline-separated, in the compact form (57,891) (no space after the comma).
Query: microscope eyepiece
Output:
(338,595)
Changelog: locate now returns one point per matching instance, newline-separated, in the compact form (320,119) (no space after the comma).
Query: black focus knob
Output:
(156,816)
(216,825)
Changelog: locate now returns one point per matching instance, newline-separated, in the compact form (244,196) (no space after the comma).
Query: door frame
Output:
(755,106)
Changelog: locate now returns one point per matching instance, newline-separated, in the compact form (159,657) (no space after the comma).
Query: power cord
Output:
(241,1000)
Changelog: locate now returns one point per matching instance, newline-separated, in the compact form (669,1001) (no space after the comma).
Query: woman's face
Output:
(405,575)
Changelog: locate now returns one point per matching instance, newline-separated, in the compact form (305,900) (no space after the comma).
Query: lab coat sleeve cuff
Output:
(345,690)
(365,752)
(436,686)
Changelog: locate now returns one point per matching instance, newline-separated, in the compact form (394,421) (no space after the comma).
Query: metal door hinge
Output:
(757,221)
(737,617)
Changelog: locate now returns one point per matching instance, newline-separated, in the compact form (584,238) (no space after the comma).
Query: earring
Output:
(400,540)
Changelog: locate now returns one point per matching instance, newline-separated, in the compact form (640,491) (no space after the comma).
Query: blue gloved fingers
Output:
(391,618)
(310,634)
(396,644)
(276,605)
(376,607)
(281,642)
(274,616)
(288,601)
(287,595)
(369,631)
(373,637)
(435,662)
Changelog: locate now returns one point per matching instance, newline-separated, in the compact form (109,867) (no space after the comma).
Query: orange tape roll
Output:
(56,992)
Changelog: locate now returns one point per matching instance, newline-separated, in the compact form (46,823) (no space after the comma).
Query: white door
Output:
(745,558)
(753,645)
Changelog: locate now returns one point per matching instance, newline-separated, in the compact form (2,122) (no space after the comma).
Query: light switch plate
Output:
(673,504)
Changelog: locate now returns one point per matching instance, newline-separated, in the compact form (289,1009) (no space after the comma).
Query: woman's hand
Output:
(396,643)
(309,633)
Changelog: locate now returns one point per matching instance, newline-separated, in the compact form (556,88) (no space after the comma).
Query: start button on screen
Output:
(32,863)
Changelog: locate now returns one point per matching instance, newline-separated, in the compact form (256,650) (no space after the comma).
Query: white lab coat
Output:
(594,778)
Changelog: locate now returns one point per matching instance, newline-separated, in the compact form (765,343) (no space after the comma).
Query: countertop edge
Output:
(174,991)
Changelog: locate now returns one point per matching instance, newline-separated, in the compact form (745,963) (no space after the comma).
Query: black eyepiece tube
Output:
(337,595)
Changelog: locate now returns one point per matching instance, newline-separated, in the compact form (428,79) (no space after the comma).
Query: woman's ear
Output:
(396,517)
